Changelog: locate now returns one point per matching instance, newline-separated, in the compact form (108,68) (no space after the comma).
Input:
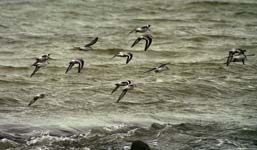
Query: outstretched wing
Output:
(148,42)
(116,88)
(92,42)
(129,57)
(69,68)
(229,59)
(136,41)
(35,70)
(162,65)
(150,70)
(79,67)
(82,63)
(122,95)
(33,101)
(37,61)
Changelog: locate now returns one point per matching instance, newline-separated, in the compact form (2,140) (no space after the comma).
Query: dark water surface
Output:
(198,104)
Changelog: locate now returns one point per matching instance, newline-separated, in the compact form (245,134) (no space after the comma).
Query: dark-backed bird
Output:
(128,55)
(147,38)
(125,90)
(39,96)
(41,59)
(88,46)
(122,83)
(158,69)
(39,65)
(235,52)
(142,29)
(80,63)
(139,145)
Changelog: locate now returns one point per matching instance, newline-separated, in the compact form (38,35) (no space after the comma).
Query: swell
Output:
(158,136)
(223,3)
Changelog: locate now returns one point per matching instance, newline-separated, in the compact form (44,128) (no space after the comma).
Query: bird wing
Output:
(136,41)
(148,40)
(35,70)
(69,67)
(33,101)
(129,57)
(146,44)
(82,63)
(37,61)
(229,59)
(116,88)
(122,95)
(79,68)
(152,69)
(162,65)
(92,42)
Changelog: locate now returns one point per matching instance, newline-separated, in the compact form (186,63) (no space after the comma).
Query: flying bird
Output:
(235,52)
(39,65)
(42,58)
(147,38)
(37,97)
(87,46)
(142,29)
(123,83)
(80,63)
(159,69)
(128,55)
(125,90)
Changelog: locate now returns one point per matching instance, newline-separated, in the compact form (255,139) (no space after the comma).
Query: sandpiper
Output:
(119,84)
(159,69)
(42,58)
(87,46)
(39,65)
(121,54)
(39,96)
(147,38)
(80,63)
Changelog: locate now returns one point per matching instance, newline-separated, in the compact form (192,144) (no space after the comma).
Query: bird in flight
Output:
(37,97)
(87,46)
(119,84)
(80,63)
(159,69)
(148,41)
(128,55)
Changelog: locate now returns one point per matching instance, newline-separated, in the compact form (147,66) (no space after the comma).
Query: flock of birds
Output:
(128,85)
(42,61)
(235,55)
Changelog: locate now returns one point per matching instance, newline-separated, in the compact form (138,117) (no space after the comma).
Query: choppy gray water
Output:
(198,104)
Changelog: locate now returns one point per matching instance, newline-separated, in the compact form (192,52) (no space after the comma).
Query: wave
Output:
(158,136)
(223,3)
